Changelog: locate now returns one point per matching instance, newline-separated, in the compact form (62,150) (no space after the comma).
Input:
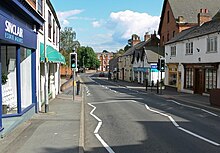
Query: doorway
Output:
(199,81)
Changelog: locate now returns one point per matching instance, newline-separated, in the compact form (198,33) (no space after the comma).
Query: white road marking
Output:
(98,127)
(104,144)
(209,112)
(198,136)
(114,101)
(182,129)
(91,113)
(97,130)
(193,107)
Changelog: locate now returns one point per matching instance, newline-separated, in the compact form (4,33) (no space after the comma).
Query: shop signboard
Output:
(15,32)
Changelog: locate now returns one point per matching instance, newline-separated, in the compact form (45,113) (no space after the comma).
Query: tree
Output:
(67,42)
(87,58)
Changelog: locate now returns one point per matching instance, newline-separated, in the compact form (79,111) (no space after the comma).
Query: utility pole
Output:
(45,64)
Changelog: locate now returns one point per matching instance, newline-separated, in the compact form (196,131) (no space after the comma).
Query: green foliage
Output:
(87,58)
(67,42)
(4,78)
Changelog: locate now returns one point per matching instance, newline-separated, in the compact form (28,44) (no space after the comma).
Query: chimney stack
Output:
(203,16)
(135,39)
(146,36)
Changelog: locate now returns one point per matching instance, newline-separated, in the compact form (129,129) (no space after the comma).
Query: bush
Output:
(4,78)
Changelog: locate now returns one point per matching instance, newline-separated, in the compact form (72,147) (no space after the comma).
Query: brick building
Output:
(104,58)
(178,15)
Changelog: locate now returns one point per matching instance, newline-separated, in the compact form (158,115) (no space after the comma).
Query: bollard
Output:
(152,85)
(146,84)
(157,86)
(77,87)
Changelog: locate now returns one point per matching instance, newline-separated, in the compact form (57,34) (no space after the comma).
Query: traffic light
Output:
(73,60)
(158,65)
(162,64)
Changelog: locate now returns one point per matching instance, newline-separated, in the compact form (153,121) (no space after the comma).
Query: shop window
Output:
(212,44)
(173,51)
(172,78)
(210,79)
(189,48)
(189,78)
(40,6)
(49,24)
(25,70)
(9,81)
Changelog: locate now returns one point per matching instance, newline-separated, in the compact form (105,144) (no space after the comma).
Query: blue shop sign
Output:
(153,66)
(15,32)
(141,69)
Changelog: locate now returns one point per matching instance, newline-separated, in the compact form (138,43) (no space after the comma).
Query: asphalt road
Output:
(122,120)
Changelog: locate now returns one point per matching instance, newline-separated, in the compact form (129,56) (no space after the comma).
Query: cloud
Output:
(125,23)
(96,24)
(121,25)
(65,16)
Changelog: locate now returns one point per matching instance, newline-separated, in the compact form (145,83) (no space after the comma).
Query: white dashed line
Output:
(182,129)
(193,107)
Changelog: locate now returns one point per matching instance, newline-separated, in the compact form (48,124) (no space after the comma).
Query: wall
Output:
(168,27)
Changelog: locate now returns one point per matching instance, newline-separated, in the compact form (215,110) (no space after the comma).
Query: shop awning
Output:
(52,54)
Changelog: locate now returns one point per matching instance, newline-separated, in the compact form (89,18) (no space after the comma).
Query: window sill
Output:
(210,52)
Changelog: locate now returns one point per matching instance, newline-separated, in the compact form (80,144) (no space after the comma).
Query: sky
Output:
(108,24)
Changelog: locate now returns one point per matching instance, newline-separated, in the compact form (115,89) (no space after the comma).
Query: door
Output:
(199,81)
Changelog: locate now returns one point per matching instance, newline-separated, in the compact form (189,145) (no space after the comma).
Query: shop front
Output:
(200,78)
(18,43)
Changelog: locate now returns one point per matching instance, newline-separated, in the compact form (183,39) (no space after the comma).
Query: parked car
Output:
(102,74)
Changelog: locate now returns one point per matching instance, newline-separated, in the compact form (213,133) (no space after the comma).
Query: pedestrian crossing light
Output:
(162,64)
(158,65)
(73,60)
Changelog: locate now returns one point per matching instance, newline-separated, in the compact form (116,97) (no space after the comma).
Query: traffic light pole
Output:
(74,75)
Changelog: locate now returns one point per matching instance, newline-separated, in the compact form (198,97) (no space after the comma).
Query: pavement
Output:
(59,130)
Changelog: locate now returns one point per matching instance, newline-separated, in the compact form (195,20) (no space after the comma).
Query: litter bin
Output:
(214,97)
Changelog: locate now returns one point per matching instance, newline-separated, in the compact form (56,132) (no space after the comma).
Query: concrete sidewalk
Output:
(57,131)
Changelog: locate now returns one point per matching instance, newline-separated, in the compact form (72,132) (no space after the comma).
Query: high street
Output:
(123,120)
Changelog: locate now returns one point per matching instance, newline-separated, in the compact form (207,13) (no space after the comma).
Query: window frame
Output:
(173,51)
(49,24)
(212,44)
(189,48)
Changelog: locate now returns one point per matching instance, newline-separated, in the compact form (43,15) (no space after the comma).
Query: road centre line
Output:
(97,129)
(182,129)
(194,108)
(198,136)
(114,101)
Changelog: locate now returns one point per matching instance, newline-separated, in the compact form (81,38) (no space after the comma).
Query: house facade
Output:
(178,15)
(145,58)
(53,57)
(192,59)
(18,50)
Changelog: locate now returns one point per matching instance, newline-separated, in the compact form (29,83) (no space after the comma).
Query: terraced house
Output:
(195,52)
(19,24)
